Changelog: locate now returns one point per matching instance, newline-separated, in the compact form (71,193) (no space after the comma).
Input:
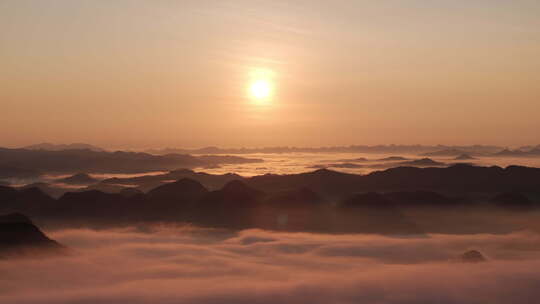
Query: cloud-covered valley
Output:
(168,264)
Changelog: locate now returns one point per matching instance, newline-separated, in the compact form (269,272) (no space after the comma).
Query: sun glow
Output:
(260,89)
(261,85)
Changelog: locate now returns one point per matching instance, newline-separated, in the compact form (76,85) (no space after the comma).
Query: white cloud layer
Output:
(179,265)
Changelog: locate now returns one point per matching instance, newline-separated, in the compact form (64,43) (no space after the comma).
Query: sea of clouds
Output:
(166,264)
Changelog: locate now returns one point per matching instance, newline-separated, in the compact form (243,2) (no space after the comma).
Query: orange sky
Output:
(140,74)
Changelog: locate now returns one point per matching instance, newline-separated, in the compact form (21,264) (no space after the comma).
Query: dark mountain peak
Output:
(25,200)
(423,162)
(268,175)
(18,237)
(32,191)
(232,175)
(235,192)
(78,179)
(230,207)
(34,195)
(46,188)
(20,233)
(175,200)
(181,189)
(93,204)
(239,187)
(184,184)
(472,256)
(324,172)
(15,217)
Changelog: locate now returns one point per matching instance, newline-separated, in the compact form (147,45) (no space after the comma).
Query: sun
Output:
(260,89)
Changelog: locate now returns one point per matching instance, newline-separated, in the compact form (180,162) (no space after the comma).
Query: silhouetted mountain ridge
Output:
(147,182)
(32,162)
(446,152)
(378,149)
(60,147)
(19,237)
(295,202)
(535,152)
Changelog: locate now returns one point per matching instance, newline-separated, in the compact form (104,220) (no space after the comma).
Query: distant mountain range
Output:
(535,152)
(522,152)
(381,149)
(147,182)
(24,163)
(60,147)
(424,162)
(447,153)
(388,162)
(321,201)
(424,150)
(431,151)
(529,148)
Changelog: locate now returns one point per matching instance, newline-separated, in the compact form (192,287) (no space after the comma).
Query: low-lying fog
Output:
(165,264)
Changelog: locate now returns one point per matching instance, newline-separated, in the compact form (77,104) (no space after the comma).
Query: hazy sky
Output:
(178,73)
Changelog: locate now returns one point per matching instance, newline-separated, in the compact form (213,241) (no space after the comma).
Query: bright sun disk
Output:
(260,89)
